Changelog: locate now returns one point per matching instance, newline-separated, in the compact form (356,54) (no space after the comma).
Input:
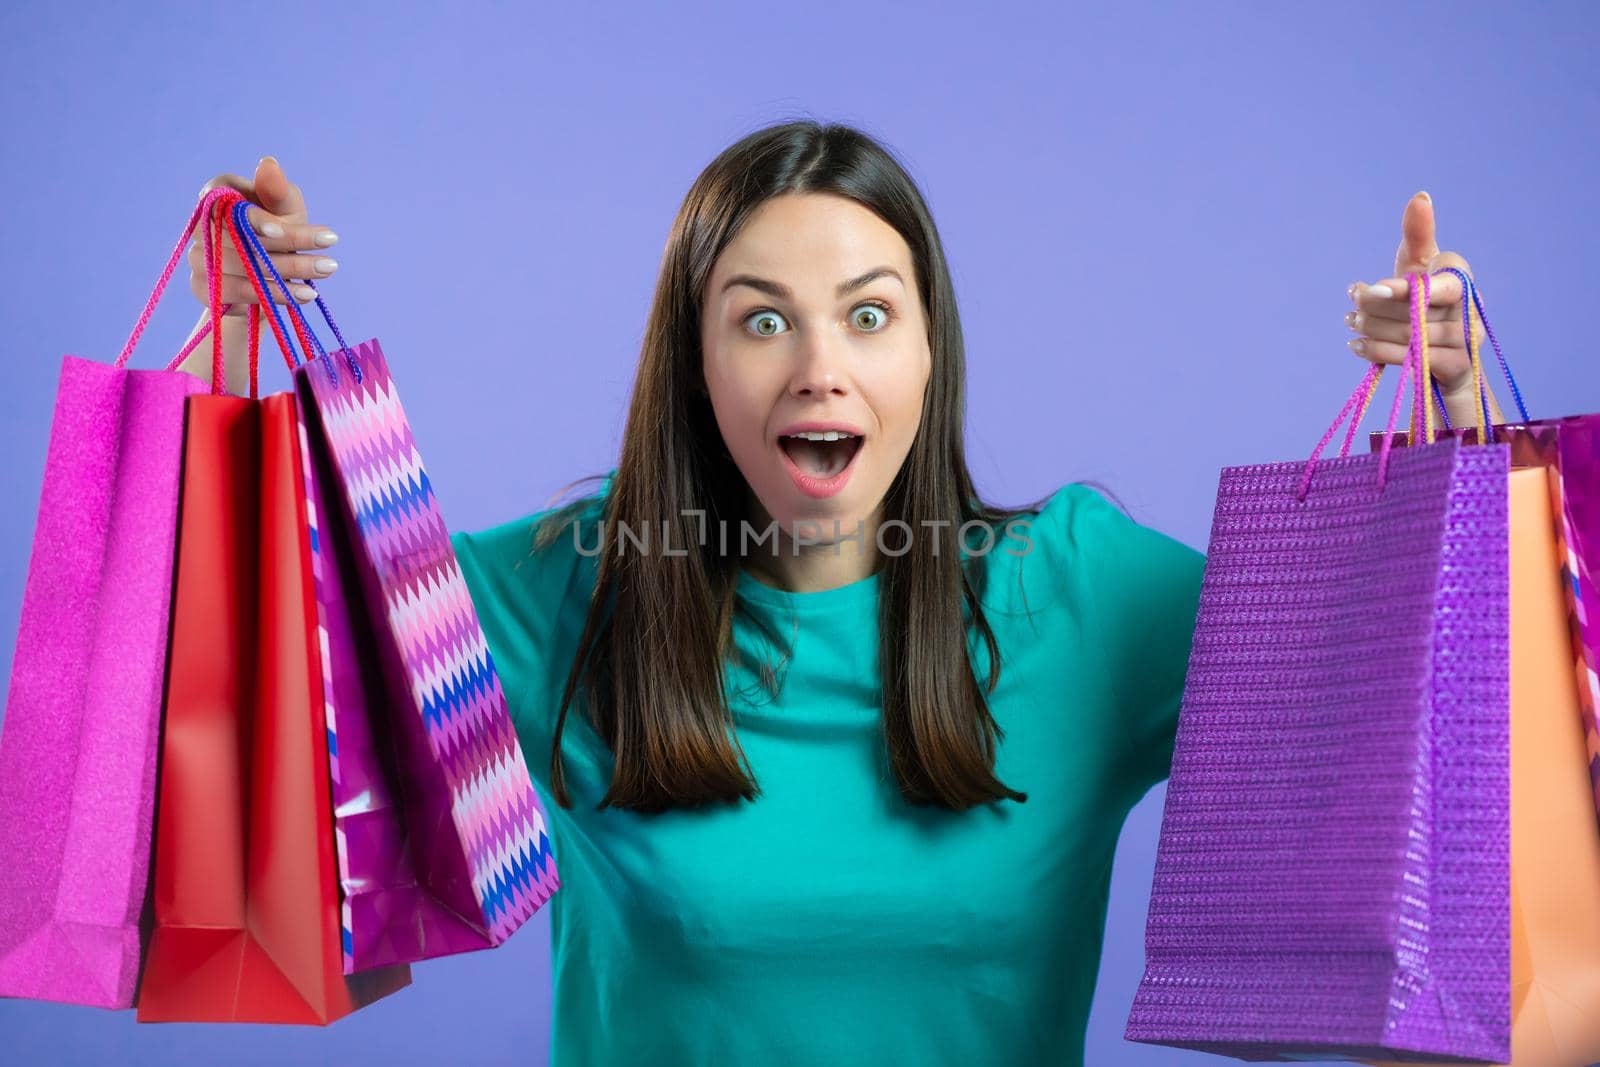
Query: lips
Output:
(820,426)
(819,468)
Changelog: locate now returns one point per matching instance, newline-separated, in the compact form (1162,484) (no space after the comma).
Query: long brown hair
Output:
(651,658)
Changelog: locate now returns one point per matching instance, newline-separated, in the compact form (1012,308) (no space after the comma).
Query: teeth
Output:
(822,435)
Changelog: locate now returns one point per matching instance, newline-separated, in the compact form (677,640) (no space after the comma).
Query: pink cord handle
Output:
(213,284)
(210,207)
(200,209)
(1422,286)
(1413,371)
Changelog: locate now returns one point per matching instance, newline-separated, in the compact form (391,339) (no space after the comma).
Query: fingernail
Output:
(1358,345)
(326,238)
(1424,194)
(1382,292)
(1354,291)
(304,292)
(270,229)
(326,266)
(1351,318)
(266,158)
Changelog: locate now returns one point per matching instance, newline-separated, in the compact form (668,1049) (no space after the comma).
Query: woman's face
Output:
(812,316)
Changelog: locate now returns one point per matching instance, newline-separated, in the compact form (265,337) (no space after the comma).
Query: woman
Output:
(852,748)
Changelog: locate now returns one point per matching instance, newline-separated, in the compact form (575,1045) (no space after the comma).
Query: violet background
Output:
(1152,213)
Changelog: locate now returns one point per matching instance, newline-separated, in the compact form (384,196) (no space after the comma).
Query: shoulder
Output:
(530,581)
(532,550)
(1081,550)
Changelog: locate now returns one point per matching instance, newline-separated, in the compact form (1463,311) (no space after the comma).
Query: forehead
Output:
(813,238)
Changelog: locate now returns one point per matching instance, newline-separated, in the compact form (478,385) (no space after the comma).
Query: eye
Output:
(873,316)
(765,320)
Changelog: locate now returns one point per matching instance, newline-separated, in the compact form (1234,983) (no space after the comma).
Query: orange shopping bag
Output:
(1555,853)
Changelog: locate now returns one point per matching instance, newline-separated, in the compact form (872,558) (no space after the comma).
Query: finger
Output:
(1444,334)
(284,228)
(1443,290)
(278,234)
(1446,365)
(1399,309)
(1374,351)
(1443,364)
(239,292)
(1449,259)
(1417,243)
(278,194)
(290,265)
(229,181)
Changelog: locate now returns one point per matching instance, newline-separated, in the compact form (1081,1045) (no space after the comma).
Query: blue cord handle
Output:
(1470,288)
(247,233)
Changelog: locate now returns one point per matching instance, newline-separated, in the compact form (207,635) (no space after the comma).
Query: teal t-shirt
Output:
(829,923)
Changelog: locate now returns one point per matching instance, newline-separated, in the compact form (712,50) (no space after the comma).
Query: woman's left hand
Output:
(1382,315)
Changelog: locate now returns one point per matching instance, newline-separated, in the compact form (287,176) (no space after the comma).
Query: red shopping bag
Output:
(246,884)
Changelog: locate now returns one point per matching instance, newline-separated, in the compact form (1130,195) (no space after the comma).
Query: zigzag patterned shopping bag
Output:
(442,840)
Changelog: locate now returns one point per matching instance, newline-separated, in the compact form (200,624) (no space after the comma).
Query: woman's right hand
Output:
(278,216)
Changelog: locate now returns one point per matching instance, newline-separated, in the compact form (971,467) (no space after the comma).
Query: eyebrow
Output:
(782,292)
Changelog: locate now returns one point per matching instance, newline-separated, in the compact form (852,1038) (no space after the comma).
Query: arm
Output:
(235,355)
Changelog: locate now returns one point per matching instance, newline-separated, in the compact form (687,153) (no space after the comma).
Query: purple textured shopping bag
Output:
(441,837)
(1333,869)
(80,736)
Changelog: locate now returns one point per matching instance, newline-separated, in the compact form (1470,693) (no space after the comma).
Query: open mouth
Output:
(820,458)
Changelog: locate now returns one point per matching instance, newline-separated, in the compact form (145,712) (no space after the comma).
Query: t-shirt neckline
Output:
(840,598)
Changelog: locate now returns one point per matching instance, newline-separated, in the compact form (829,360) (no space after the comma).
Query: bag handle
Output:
(239,211)
(213,284)
(166,276)
(1471,298)
(308,336)
(1475,341)
(213,234)
(215,307)
(1414,367)
(240,206)
(252,253)
(1417,362)
(254,258)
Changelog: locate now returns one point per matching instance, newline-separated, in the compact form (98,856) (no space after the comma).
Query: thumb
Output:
(275,192)
(1418,243)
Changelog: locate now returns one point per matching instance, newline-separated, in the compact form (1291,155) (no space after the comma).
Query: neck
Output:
(815,560)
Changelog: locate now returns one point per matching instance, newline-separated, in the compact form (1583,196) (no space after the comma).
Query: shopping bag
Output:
(1570,447)
(442,841)
(1332,877)
(1555,853)
(246,890)
(79,741)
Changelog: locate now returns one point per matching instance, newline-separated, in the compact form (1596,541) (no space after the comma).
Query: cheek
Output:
(740,400)
(897,395)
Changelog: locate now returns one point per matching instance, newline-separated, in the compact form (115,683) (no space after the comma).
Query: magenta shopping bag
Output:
(79,741)
(441,837)
(1332,877)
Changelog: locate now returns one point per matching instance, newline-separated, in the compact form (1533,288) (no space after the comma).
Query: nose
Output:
(819,366)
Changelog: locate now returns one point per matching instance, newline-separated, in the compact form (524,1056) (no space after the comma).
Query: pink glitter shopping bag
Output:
(81,731)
